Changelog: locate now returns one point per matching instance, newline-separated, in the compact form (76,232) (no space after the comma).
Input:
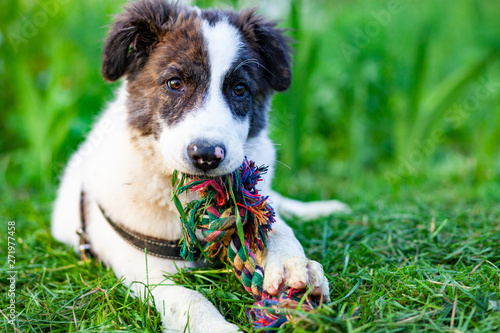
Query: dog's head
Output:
(199,81)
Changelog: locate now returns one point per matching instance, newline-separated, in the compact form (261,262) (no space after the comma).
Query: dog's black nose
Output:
(205,156)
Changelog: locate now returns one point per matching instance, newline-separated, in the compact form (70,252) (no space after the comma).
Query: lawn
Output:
(424,258)
(394,109)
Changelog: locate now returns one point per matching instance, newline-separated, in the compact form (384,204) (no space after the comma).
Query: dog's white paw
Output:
(326,208)
(295,272)
(290,208)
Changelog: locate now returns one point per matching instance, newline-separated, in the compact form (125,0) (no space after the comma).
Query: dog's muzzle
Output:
(205,156)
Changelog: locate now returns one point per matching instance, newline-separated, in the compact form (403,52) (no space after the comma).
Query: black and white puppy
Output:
(194,98)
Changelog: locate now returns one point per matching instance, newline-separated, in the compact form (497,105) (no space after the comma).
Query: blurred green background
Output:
(397,91)
(394,108)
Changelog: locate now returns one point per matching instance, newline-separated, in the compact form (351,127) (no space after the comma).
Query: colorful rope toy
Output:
(239,238)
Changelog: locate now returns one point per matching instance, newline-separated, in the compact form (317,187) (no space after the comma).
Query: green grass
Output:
(412,260)
(405,129)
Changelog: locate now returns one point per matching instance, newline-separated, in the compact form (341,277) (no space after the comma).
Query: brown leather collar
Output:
(153,246)
(84,247)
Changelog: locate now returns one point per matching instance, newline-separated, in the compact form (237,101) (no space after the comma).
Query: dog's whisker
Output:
(158,163)
(244,62)
(253,61)
(286,165)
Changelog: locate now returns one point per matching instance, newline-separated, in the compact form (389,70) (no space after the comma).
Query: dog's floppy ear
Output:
(133,36)
(272,46)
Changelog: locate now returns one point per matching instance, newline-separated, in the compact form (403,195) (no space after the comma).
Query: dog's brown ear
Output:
(133,35)
(272,46)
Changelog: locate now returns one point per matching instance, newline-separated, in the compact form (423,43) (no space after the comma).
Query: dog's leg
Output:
(182,309)
(66,212)
(290,208)
(287,266)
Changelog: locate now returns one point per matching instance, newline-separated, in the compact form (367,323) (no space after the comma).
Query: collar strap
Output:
(154,246)
(84,247)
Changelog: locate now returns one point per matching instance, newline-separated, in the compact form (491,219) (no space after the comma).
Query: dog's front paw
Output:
(295,272)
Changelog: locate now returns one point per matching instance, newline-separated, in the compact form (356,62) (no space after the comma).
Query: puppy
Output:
(194,97)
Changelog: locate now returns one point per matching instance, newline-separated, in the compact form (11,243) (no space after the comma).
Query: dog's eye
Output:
(239,90)
(175,84)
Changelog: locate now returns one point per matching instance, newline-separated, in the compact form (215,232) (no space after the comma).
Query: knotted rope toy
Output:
(239,238)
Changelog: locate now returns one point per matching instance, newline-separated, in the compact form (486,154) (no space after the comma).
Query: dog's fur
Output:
(127,161)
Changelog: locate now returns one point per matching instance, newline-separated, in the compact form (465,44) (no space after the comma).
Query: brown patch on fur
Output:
(134,35)
(154,41)
(167,43)
(179,53)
